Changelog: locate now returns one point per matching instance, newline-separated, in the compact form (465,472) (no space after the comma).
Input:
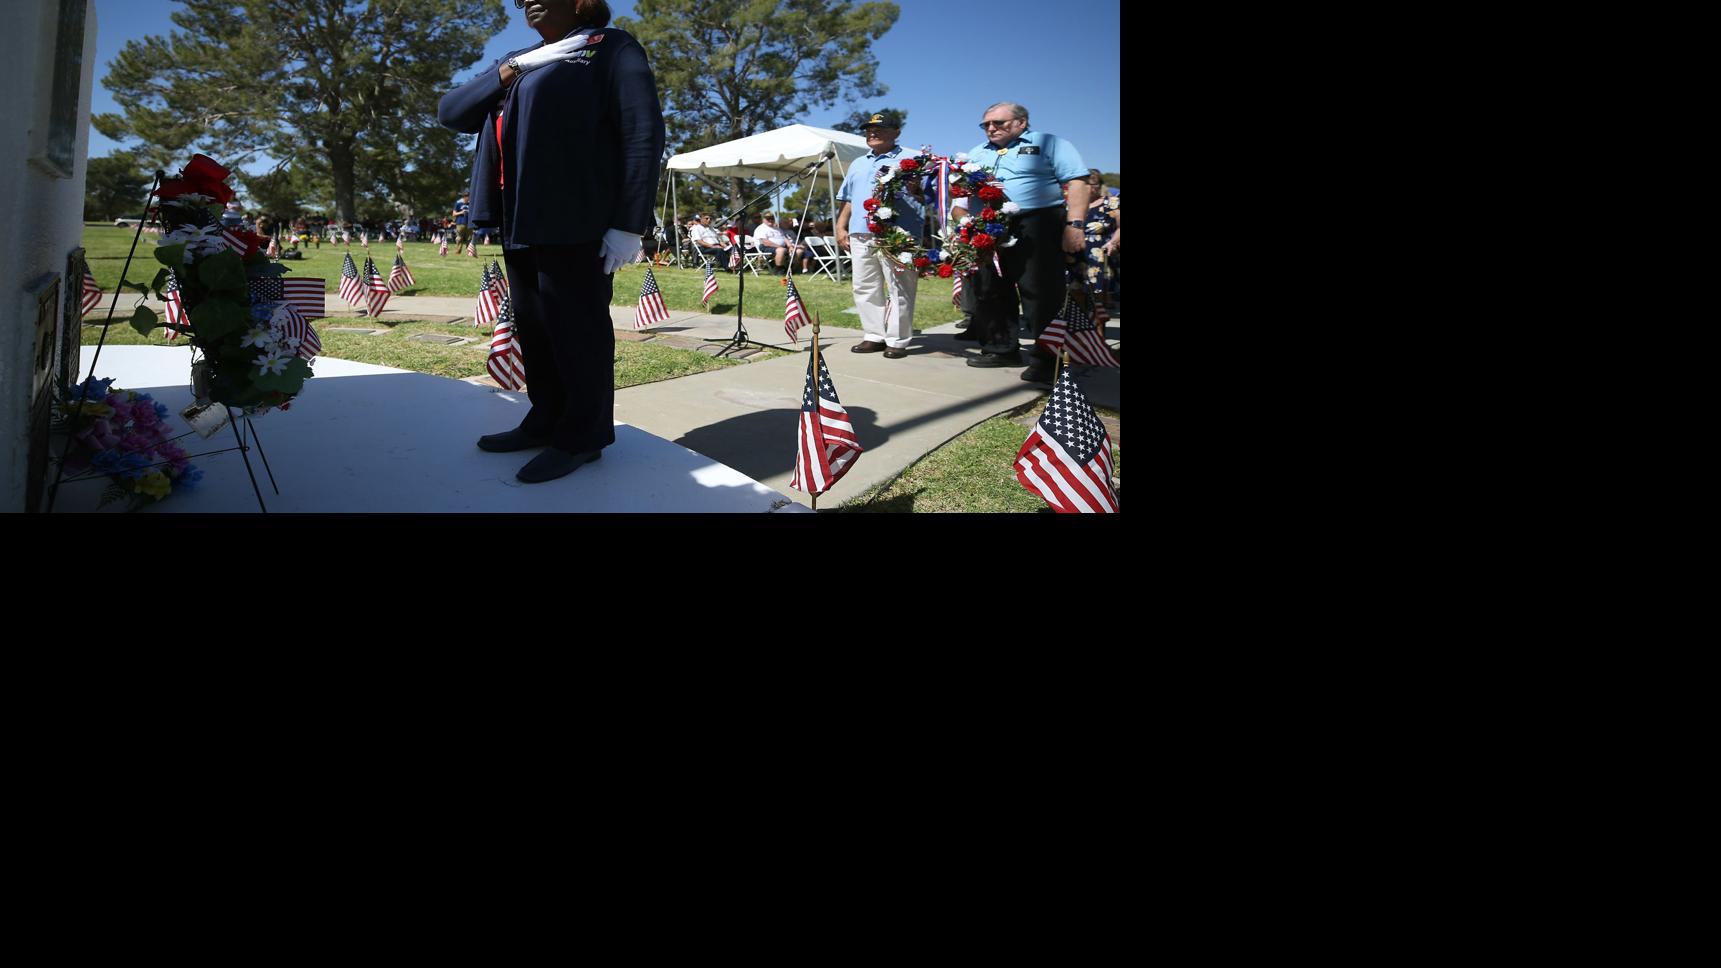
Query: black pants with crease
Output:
(561,298)
(1036,264)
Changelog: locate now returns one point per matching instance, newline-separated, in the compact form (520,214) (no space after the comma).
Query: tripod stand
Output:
(741,338)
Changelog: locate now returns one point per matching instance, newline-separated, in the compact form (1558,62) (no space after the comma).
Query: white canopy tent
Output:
(771,155)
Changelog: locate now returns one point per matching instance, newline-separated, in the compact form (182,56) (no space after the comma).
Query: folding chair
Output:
(824,256)
(752,255)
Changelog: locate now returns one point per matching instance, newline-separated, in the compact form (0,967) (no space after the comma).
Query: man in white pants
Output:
(884,288)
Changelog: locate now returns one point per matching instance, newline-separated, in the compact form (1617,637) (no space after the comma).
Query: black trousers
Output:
(1036,264)
(561,298)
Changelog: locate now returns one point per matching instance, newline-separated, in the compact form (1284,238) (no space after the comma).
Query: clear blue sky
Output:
(934,65)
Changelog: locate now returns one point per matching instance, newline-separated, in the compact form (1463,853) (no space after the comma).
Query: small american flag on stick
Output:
(501,277)
(400,277)
(1067,459)
(650,309)
(825,445)
(352,290)
(1073,330)
(299,331)
(175,305)
(442,250)
(506,365)
(489,306)
(304,295)
(378,288)
(92,293)
(472,248)
(794,316)
(710,284)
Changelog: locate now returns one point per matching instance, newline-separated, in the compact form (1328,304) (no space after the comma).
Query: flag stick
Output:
(816,320)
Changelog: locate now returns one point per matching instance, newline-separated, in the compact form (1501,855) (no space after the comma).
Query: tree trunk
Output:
(341,163)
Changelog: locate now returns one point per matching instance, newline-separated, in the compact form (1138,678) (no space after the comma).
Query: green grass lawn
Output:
(106,248)
(635,363)
(974,472)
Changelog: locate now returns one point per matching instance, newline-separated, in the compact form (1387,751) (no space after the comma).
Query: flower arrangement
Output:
(977,235)
(254,357)
(892,182)
(124,435)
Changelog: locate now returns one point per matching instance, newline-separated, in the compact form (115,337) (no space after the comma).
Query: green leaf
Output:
(144,320)
(172,256)
(216,317)
(223,273)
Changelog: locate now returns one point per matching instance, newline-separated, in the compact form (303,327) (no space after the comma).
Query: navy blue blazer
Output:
(582,142)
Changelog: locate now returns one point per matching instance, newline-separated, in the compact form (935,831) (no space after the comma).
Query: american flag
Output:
(489,300)
(400,243)
(956,289)
(378,287)
(506,365)
(501,277)
(794,317)
(304,295)
(1073,330)
(274,247)
(346,238)
(825,439)
(400,276)
(297,327)
(710,284)
(92,292)
(443,249)
(472,248)
(364,239)
(735,257)
(175,305)
(233,241)
(650,309)
(1067,459)
(352,290)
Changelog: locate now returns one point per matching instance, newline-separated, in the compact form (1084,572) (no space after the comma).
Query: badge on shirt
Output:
(1030,150)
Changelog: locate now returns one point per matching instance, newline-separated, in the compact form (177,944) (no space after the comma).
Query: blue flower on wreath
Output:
(92,389)
(188,480)
(161,412)
(117,464)
(995,228)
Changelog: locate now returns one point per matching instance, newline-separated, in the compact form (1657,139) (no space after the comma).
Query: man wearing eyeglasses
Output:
(1033,168)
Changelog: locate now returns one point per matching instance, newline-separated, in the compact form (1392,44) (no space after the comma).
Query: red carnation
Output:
(870,204)
(945,272)
(909,164)
(922,262)
(988,214)
(982,241)
(959,190)
(991,193)
(874,227)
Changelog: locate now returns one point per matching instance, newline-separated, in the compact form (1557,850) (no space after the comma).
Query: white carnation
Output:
(961,156)
(905,258)
(885,212)
(1010,208)
(971,166)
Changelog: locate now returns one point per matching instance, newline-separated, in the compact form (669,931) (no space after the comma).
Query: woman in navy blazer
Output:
(566,167)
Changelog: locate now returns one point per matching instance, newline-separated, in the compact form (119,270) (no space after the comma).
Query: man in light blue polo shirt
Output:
(1033,168)
(884,289)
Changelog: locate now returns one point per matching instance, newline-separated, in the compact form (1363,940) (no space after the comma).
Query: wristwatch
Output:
(514,65)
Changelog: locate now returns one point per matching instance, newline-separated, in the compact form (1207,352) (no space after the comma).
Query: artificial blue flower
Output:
(92,389)
(994,228)
(188,480)
(161,412)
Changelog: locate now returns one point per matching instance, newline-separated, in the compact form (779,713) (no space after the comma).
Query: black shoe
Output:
(1040,371)
(997,359)
(969,335)
(553,463)
(866,346)
(511,441)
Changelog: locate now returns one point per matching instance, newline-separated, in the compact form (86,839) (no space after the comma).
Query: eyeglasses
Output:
(989,125)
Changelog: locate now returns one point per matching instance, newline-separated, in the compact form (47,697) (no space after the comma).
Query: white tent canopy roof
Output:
(773,154)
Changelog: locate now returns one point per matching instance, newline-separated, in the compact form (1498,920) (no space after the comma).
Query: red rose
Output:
(959,190)
(988,214)
(870,204)
(991,193)
(874,227)
(202,177)
(922,262)
(982,241)
(945,272)
(909,164)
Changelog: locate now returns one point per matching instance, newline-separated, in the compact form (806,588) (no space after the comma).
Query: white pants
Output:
(883,294)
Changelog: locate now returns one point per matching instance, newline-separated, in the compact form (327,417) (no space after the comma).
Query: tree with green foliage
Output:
(728,71)
(346,86)
(115,187)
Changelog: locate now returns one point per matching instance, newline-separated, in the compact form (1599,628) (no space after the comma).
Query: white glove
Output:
(619,249)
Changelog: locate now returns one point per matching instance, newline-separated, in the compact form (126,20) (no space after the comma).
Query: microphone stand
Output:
(741,338)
